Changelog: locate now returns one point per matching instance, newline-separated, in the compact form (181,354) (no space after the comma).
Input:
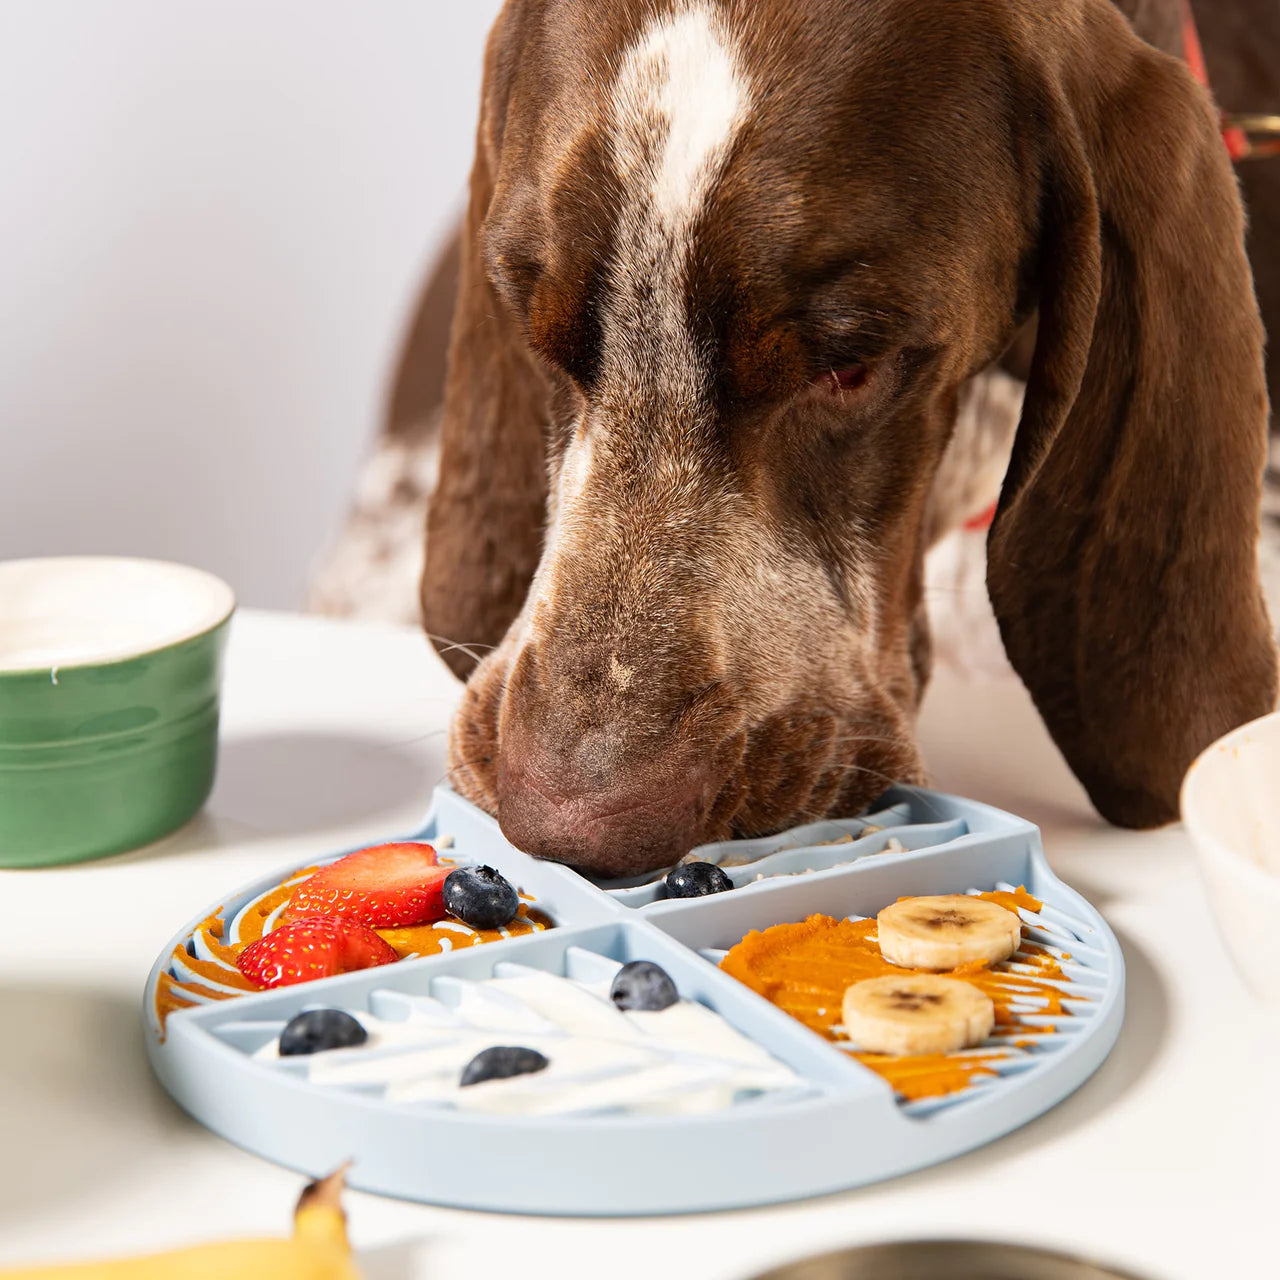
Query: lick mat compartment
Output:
(841,1126)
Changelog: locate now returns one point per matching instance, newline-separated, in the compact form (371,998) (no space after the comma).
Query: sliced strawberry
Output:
(314,947)
(385,887)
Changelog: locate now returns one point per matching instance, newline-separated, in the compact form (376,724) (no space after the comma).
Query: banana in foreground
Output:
(947,932)
(917,1013)
(317,1250)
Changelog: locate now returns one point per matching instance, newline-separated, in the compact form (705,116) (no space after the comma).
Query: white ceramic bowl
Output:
(1231,809)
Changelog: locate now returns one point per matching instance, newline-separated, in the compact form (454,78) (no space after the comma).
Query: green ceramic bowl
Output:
(110,672)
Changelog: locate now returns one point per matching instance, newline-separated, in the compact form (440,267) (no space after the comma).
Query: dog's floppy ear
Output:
(485,524)
(1122,560)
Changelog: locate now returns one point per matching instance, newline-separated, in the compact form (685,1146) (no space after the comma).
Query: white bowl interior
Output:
(1232,794)
(80,610)
(1231,808)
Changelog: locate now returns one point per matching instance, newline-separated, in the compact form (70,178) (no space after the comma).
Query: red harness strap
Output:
(983,519)
(1236,139)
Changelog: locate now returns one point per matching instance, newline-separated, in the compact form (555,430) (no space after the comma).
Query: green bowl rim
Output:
(205,629)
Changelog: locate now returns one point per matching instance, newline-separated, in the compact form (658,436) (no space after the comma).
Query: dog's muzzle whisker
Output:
(445,645)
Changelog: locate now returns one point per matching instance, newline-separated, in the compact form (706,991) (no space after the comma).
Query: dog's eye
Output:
(852,378)
(515,279)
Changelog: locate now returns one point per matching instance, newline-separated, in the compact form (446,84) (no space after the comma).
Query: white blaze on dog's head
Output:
(678,103)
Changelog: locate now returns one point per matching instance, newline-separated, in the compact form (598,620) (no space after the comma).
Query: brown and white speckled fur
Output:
(708,615)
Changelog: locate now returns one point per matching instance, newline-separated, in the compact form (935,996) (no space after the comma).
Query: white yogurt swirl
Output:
(684,1059)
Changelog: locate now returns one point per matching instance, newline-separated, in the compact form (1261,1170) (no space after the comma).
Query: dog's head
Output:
(728,268)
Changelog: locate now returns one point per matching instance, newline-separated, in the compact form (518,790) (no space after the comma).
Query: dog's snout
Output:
(611,761)
(607,824)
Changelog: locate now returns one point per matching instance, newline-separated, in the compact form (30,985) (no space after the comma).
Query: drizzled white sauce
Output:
(685,1059)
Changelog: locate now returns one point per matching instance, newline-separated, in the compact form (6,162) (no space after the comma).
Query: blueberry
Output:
(643,985)
(696,880)
(501,1063)
(480,897)
(320,1029)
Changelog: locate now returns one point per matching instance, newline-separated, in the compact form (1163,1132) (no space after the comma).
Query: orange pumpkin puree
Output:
(804,969)
(449,934)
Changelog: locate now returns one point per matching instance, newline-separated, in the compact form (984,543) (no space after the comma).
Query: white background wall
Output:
(214,216)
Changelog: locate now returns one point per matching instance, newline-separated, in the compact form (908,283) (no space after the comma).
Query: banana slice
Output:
(916,1013)
(946,932)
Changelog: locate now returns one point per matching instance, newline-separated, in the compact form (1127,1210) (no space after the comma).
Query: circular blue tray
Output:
(846,1129)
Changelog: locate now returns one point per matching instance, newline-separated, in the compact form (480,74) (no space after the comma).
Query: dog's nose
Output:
(608,829)
(604,771)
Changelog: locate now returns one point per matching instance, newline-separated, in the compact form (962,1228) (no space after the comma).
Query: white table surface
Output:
(1166,1161)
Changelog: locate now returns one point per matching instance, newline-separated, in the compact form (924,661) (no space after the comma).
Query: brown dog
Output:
(728,269)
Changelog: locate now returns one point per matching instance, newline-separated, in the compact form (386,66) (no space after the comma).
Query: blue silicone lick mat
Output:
(842,1127)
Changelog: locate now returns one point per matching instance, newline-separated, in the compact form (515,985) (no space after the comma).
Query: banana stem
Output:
(319,1216)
